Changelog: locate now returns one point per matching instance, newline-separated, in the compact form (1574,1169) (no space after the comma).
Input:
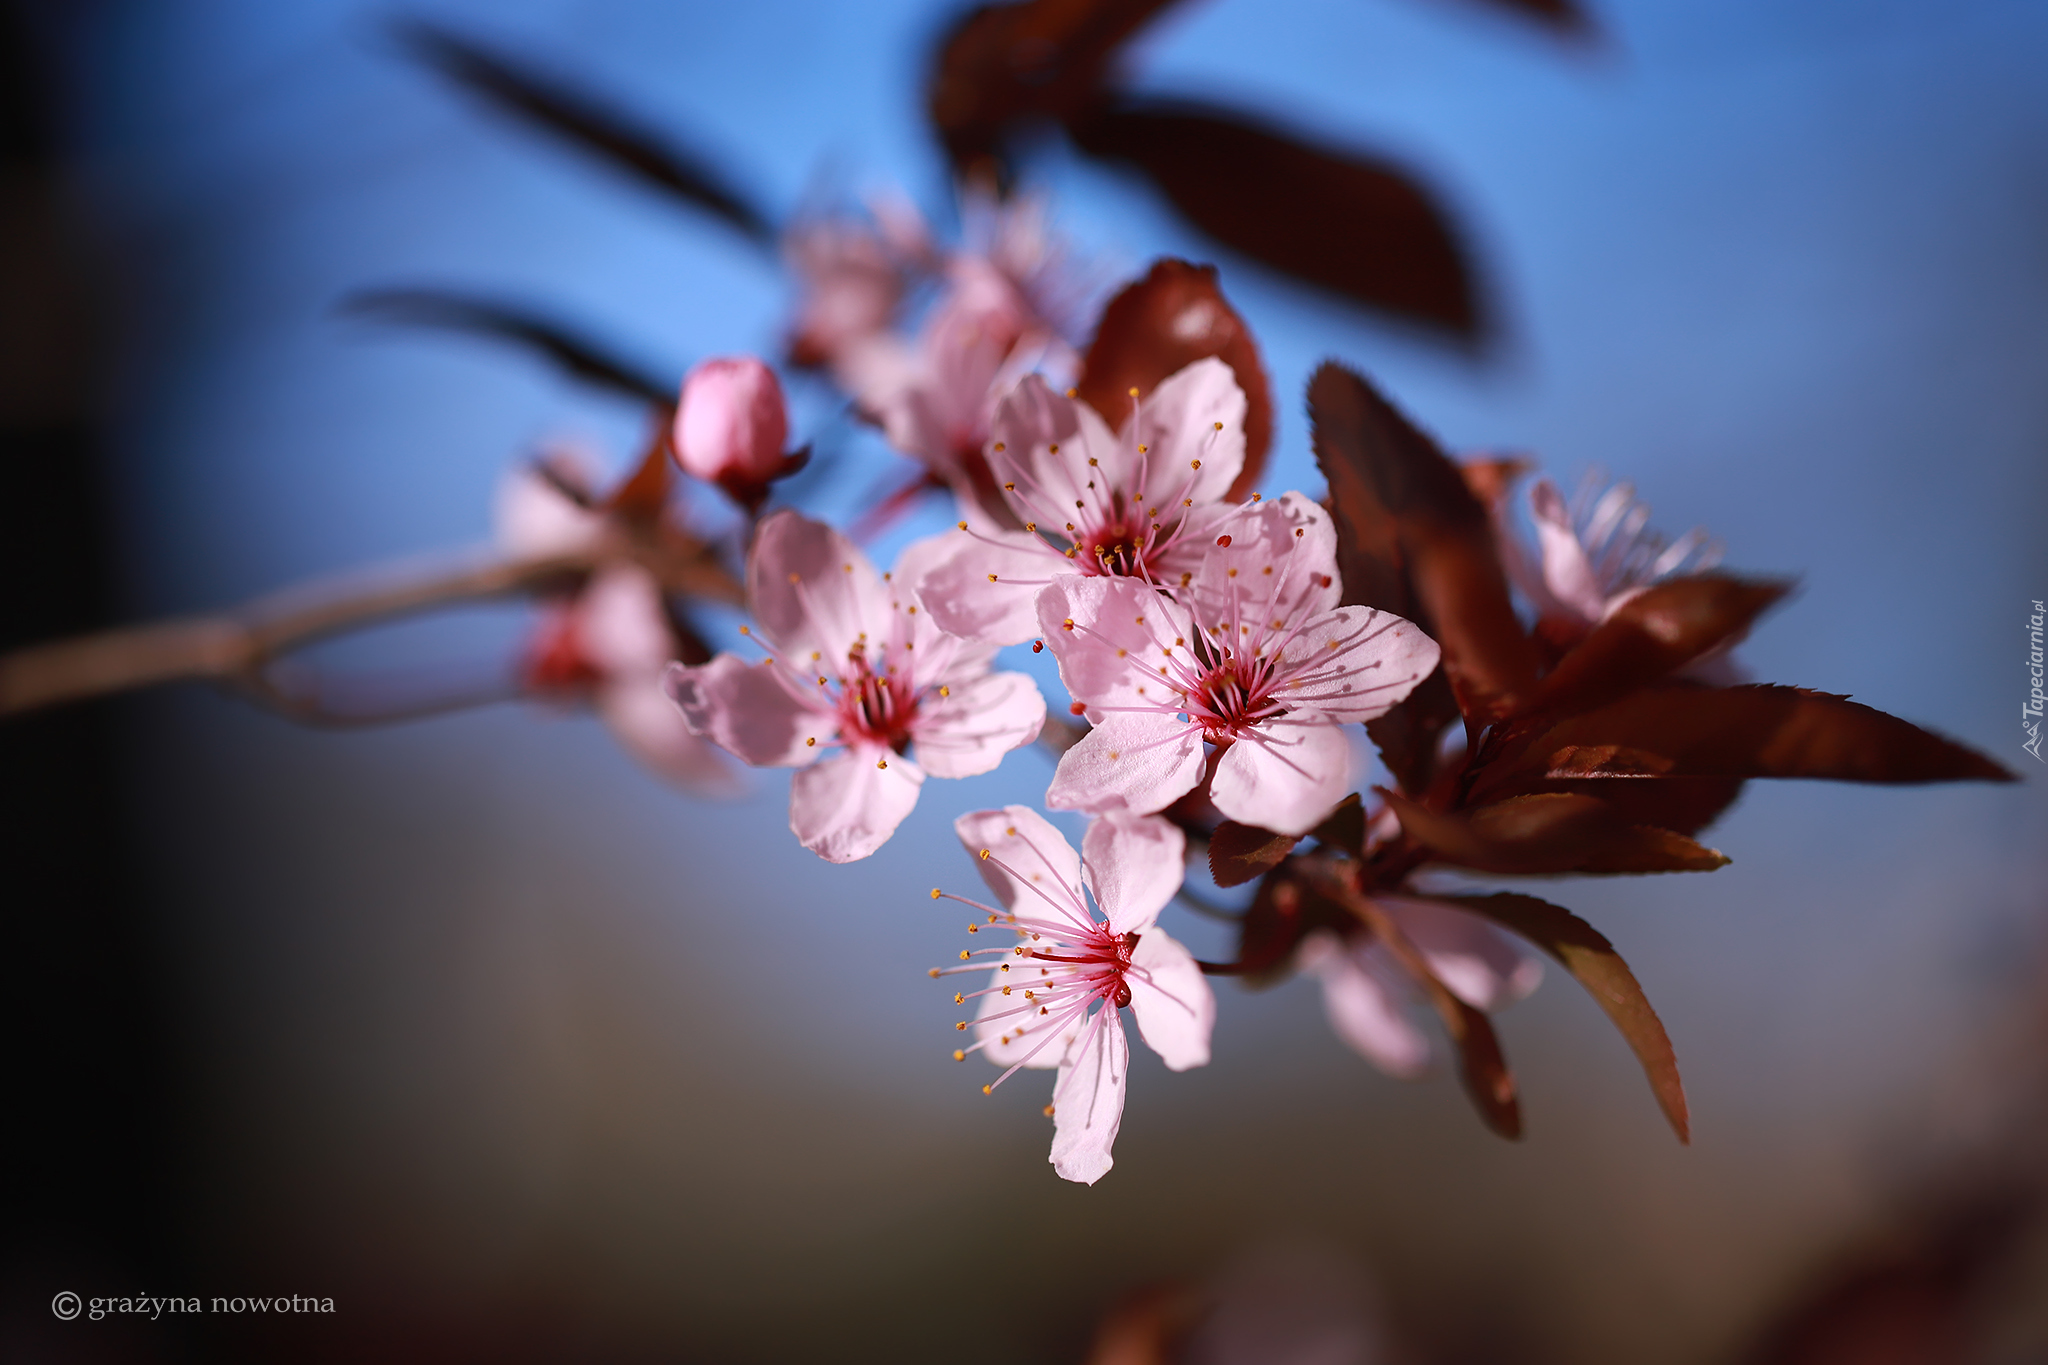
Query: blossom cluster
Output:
(1227,658)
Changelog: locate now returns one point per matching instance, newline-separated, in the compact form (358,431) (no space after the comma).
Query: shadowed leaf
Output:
(1651,636)
(585,122)
(1238,853)
(1345,223)
(1405,516)
(1481,1064)
(1003,67)
(1592,961)
(1163,323)
(1677,730)
(1685,805)
(1343,827)
(1553,833)
(1409,734)
(579,357)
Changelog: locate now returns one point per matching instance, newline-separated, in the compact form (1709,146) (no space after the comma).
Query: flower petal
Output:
(747,710)
(1012,1029)
(534,516)
(1088,1100)
(847,807)
(1280,565)
(1482,966)
(1175,1008)
(622,625)
(970,731)
(1285,775)
(1141,763)
(1354,663)
(1116,652)
(814,593)
(1022,840)
(963,599)
(1567,573)
(1134,864)
(1364,1007)
(648,726)
(1177,422)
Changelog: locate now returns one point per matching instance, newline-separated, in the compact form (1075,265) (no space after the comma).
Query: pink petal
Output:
(622,625)
(730,421)
(1355,663)
(1140,763)
(1021,839)
(535,517)
(962,599)
(813,592)
(1009,1027)
(847,807)
(747,710)
(1177,422)
(969,732)
(1029,421)
(1114,654)
(1285,776)
(1088,1100)
(1363,1009)
(1567,573)
(648,726)
(1134,864)
(1481,965)
(1279,575)
(1175,1008)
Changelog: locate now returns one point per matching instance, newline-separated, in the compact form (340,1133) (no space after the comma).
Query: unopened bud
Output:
(731,425)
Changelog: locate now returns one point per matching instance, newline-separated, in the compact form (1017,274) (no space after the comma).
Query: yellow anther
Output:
(961,524)
(987,1089)
(745,631)
(1219,426)
(974,928)
(1144,450)
(812,743)
(1048,1111)
(991,578)
(1006,990)
(1194,464)
(881,763)
(933,973)
(1091,465)
(945,691)
(936,893)
(958,1055)
(1009,488)
(964,954)
(1073,393)
(1134,393)
(958,998)
(1000,447)
(1031,526)
(1053,449)
(961,1026)
(984,855)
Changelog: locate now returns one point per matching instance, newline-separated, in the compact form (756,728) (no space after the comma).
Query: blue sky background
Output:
(483,1015)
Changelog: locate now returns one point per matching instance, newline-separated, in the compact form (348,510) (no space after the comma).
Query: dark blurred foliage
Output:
(83,1021)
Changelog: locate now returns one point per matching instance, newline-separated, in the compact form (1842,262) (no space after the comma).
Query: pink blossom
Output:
(853,273)
(550,507)
(731,425)
(1145,503)
(1598,552)
(934,396)
(1055,998)
(857,674)
(1371,1001)
(1256,659)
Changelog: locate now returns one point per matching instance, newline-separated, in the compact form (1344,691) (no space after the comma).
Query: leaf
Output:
(1552,833)
(1592,961)
(1343,827)
(1652,635)
(585,122)
(1482,1066)
(1238,853)
(1685,805)
(574,354)
(1409,734)
(1680,730)
(1404,514)
(1339,221)
(1003,67)
(1163,323)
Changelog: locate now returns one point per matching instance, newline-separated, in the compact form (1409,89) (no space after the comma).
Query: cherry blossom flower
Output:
(1370,1000)
(731,425)
(934,396)
(1598,552)
(854,273)
(608,641)
(1256,659)
(1055,998)
(1145,503)
(857,674)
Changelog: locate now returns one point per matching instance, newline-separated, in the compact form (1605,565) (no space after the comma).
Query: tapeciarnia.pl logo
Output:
(2030,714)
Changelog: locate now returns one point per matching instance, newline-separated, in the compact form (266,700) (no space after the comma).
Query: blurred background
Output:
(518,1054)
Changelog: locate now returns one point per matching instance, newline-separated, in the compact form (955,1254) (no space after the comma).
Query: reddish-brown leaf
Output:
(1552,833)
(1003,66)
(577,355)
(1343,827)
(1592,961)
(1684,804)
(1238,853)
(1402,507)
(1346,223)
(1651,636)
(587,124)
(1281,913)
(1163,323)
(1676,730)
(1481,1064)
(1410,733)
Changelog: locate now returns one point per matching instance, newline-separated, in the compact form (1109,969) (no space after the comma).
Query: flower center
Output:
(877,708)
(1233,695)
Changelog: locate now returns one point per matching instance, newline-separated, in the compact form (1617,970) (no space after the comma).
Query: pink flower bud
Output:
(730,422)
